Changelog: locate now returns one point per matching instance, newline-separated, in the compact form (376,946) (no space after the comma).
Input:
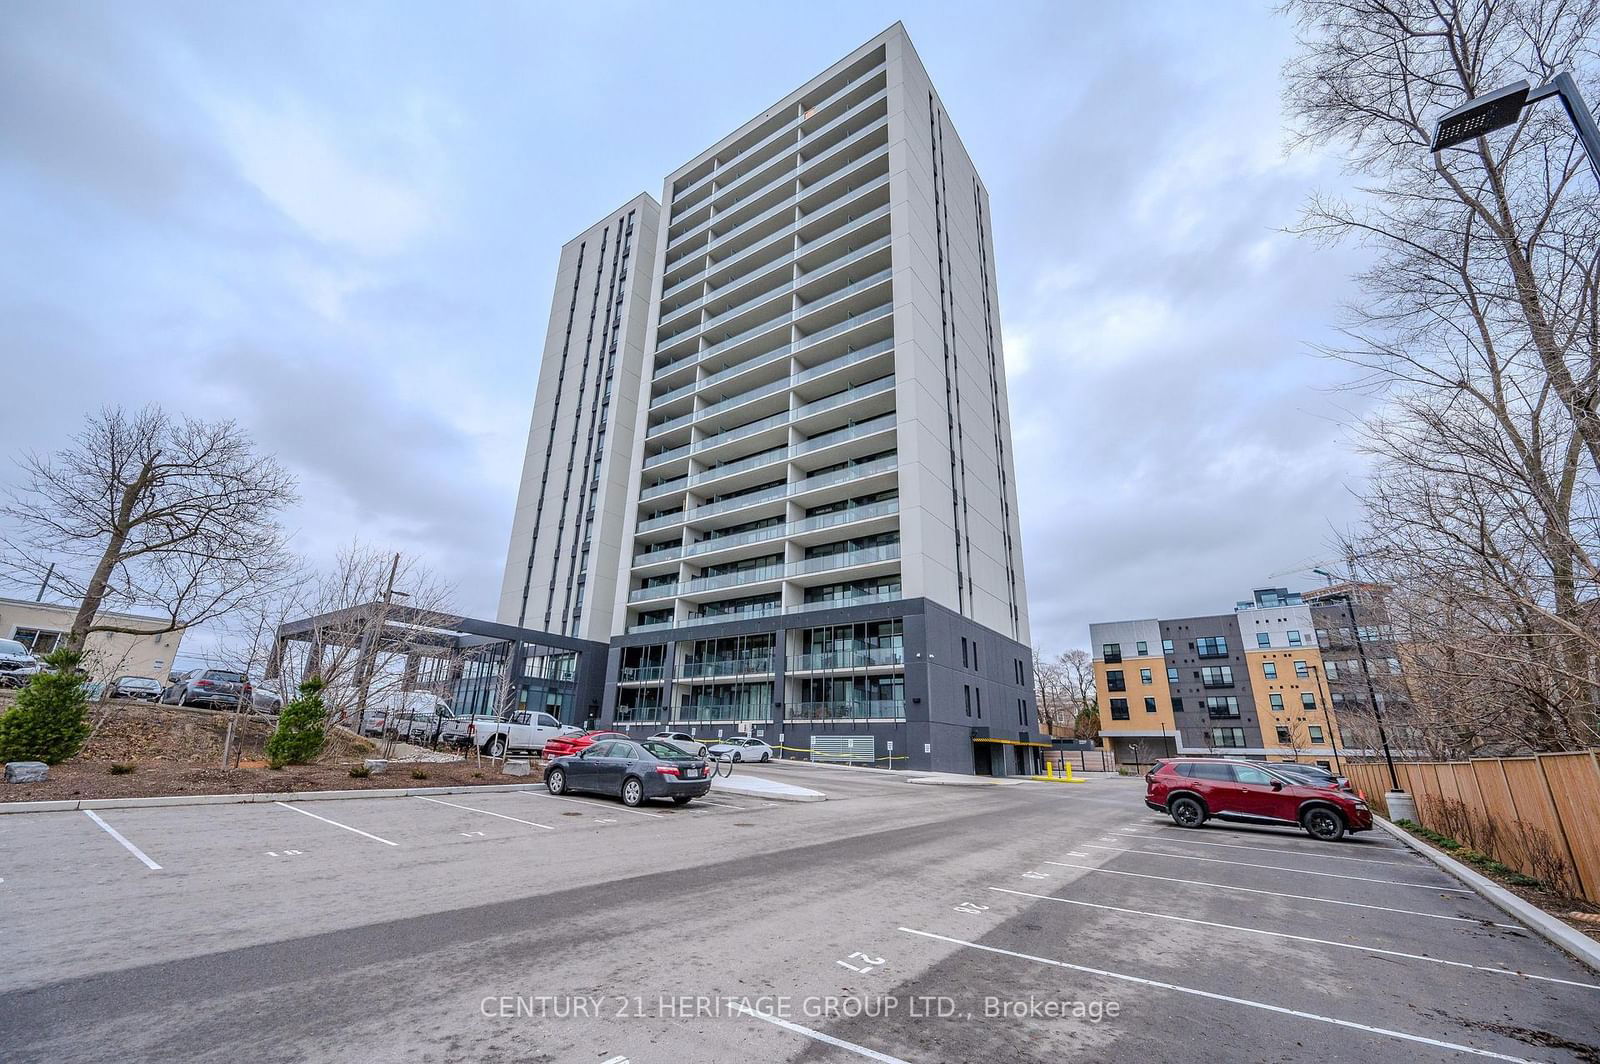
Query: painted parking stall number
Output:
(971,908)
(1036,875)
(285,853)
(473,834)
(868,963)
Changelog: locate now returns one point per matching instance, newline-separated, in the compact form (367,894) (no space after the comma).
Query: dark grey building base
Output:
(972,716)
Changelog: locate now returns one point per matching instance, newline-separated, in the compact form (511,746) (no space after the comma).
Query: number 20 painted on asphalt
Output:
(971,908)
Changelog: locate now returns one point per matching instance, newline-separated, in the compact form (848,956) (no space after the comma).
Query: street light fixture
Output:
(1500,108)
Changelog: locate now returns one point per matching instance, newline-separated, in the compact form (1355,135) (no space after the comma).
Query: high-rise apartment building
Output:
(564,562)
(819,539)
(1284,677)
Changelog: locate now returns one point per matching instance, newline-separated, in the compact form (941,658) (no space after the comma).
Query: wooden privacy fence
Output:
(1539,815)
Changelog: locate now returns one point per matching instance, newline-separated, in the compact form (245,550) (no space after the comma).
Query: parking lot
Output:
(890,923)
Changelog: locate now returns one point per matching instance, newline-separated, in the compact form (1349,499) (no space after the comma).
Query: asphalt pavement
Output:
(890,923)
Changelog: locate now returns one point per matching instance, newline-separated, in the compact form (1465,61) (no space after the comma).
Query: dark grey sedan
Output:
(632,771)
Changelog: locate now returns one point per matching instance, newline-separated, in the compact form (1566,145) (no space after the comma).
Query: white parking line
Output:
(580,801)
(1175,840)
(485,812)
(826,1039)
(1212,996)
(1301,938)
(335,823)
(1279,868)
(130,847)
(1296,897)
(725,805)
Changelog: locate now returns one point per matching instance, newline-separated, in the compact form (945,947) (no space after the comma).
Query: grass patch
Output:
(120,769)
(418,774)
(1481,861)
(359,772)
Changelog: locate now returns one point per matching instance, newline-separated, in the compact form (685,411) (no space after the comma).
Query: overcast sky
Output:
(339,223)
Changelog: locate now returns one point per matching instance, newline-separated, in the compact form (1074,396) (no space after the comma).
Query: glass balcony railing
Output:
(842,601)
(874,709)
(693,669)
(845,559)
(876,657)
(738,579)
(768,610)
(721,711)
(640,714)
(666,487)
(805,167)
(769,139)
(642,674)
(646,626)
(777,491)
(653,557)
(655,591)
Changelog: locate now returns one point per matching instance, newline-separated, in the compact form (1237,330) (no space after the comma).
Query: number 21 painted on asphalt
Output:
(971,908)
(868,964)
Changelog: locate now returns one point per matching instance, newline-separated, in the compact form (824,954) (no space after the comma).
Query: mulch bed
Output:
(177,751)
(94,779)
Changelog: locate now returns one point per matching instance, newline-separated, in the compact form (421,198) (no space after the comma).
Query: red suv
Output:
(1193,791)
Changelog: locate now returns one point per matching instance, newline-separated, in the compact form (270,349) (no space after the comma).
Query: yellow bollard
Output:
(1049,770)
(1067,769)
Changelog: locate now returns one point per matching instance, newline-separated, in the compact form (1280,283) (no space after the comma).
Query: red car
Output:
(564,745)
(1192,791)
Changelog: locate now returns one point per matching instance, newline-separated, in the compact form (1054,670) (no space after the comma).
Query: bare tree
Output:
(1065,694)
(147,512)
(1478,329)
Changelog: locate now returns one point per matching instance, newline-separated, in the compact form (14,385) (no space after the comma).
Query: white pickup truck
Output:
(526,730)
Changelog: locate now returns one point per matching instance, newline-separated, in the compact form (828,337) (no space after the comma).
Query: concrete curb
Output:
(1540,922)
(71,804)
(961,781)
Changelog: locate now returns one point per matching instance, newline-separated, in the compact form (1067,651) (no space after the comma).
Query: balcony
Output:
(777,491)
(642,674)
(693,669)
(679,195)
(770,609)
(843,601)
(714,713)
(865,710)
(847,660)
(650,626)
(834,365)
(738,579)
(653,592)
(805,167)
(845,560)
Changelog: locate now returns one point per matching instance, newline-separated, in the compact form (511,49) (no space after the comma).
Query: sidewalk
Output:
(772,790)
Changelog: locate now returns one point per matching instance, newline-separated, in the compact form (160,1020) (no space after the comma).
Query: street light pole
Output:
(1326,694)
(1366,672)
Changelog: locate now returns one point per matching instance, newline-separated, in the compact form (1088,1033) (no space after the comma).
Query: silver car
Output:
(17,666)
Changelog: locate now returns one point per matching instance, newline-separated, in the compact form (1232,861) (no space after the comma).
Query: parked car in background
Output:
(265,702)
(215,688)
(1313,774)
(632,771)
(564,745)
(1192,791)
(17,666)
(741,748)
(142,688)
(524,730)
(683,739)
